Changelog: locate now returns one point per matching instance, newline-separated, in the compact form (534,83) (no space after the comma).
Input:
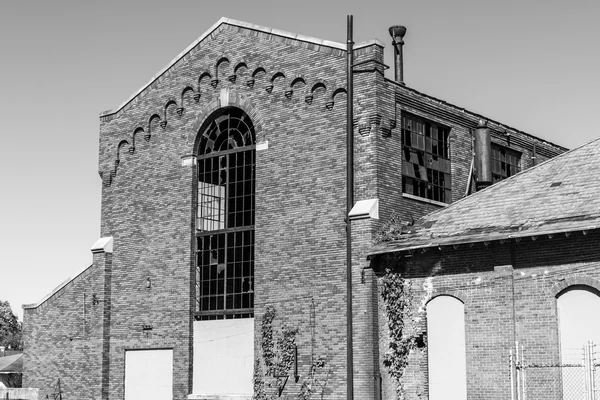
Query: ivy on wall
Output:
(316,382)
(395,292)
(273,370)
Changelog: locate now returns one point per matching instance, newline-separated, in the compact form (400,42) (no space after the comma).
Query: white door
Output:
(149,375)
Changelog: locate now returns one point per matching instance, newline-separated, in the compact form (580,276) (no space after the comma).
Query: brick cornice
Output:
(248,29)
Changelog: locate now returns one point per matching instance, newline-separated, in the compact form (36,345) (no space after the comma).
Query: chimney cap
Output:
(397,31)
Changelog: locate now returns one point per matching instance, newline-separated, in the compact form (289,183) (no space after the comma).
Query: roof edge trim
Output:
(458,241)
(55,290)
(473,114)
(241,24)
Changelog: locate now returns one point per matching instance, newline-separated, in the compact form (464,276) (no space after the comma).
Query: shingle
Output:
(526,204)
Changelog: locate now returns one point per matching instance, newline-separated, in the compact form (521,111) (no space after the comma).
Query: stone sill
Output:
(424,200)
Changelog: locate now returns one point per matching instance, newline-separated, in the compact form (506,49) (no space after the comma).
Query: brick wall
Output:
(484,278)
(148,208)
(300,201)
(62,341)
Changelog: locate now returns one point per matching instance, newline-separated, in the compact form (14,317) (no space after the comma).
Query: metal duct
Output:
(397,33)
(483,156)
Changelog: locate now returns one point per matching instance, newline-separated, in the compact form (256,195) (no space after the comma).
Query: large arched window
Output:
(225,217)
(446,349)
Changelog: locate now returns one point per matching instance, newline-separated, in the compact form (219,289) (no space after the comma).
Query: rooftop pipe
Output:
(483,156)
(397,33)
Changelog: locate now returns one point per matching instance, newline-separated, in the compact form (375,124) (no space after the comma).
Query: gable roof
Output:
(11,364)
(558,196)
(245,25)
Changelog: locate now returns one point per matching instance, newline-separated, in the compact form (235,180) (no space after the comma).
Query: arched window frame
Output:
(224,223)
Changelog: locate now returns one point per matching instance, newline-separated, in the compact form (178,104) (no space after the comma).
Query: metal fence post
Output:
(523,372)
(593,363)
(591,370)
(517,367)
(512,374)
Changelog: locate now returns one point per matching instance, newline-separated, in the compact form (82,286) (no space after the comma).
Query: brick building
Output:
(222,247)
(505,258)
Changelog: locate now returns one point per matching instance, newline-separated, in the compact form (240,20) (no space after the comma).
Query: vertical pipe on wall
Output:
(349,204)
(83,320)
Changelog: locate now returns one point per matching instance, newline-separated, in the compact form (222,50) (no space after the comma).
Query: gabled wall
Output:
(293,89)
(63,339)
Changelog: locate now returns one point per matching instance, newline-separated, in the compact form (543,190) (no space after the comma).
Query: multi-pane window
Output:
(225,218)
(505,162)
(426,159)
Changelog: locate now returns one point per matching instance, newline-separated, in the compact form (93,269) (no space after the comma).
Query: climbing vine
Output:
(315,383)
(395,292)
(272,371)
(267,343)
(278,356)
(258,382)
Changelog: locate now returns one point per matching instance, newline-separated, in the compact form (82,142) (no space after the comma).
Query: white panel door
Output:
(149,375)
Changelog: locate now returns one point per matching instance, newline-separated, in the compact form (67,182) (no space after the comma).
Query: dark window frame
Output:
(225,213)
(506,162)
(426,164)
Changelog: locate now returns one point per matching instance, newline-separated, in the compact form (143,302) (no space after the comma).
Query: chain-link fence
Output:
(573,381)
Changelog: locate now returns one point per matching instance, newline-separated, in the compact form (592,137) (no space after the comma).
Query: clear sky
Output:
(532,64)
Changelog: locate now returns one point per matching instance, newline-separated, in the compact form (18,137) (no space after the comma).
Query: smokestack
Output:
(483,156)
(397,33)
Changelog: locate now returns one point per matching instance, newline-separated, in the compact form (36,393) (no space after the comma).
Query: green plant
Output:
(258,382)
(278,355)
(313,384)
(267,342)
(395,292)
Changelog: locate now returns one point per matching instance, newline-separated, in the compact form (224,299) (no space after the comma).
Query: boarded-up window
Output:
(149,374)
(446,349)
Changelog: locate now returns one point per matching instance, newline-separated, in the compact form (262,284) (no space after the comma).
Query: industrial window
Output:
(225,218)
(426,159)
(505,162)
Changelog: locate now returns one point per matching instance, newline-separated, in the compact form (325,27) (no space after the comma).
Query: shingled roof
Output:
(560,195)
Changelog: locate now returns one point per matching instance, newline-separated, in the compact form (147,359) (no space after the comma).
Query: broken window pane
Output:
(225,219)
(429,142)
(505,162)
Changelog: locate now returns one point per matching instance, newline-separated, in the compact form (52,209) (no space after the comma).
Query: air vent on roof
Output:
(555,184)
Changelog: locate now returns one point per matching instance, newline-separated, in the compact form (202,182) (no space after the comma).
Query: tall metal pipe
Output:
(483,155)
(397,33)
(349,205)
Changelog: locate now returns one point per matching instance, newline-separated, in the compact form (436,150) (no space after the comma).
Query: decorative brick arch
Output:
(460,295)
(575,281)
(227,98)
